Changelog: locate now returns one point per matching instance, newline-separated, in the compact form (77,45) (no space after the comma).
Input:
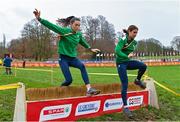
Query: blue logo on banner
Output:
(87,107)
(112,104)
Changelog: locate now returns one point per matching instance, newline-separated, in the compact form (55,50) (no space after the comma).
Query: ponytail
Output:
(67,21)
(125,31)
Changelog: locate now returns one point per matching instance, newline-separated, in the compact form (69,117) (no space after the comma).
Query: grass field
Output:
(166,75)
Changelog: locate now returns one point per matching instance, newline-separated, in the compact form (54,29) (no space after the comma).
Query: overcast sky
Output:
(159,19)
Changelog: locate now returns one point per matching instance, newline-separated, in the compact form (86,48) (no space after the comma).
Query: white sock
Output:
(126,106)
(88,88)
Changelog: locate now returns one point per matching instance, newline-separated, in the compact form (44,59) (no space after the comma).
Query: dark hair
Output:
(67,21)
(130,28)
(74,19)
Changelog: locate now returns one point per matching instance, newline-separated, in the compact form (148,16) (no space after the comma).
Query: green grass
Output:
(166,75)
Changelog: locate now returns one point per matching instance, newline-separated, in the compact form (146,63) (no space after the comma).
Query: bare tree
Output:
(90,26)
(175,43)
(36,42)
(99,32)
(149,45)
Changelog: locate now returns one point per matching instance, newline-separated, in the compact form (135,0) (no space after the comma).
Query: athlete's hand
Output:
(37,14)
(95,50)
(131,55)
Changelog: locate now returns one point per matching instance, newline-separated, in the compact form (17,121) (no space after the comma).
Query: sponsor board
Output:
(135,101)
(55,112)
(87,107)
(82,107)
(113,104)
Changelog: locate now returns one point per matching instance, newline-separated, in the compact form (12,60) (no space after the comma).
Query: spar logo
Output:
(135,101)
(113,104)
(87,108)
(55,112)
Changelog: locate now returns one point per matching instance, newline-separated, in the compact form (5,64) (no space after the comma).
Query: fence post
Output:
(20,104)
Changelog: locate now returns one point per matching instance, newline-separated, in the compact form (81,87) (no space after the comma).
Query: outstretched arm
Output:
(84,43)
(51,26)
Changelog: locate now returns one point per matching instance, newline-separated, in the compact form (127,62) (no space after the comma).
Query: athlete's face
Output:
(133,33)
(75,26)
